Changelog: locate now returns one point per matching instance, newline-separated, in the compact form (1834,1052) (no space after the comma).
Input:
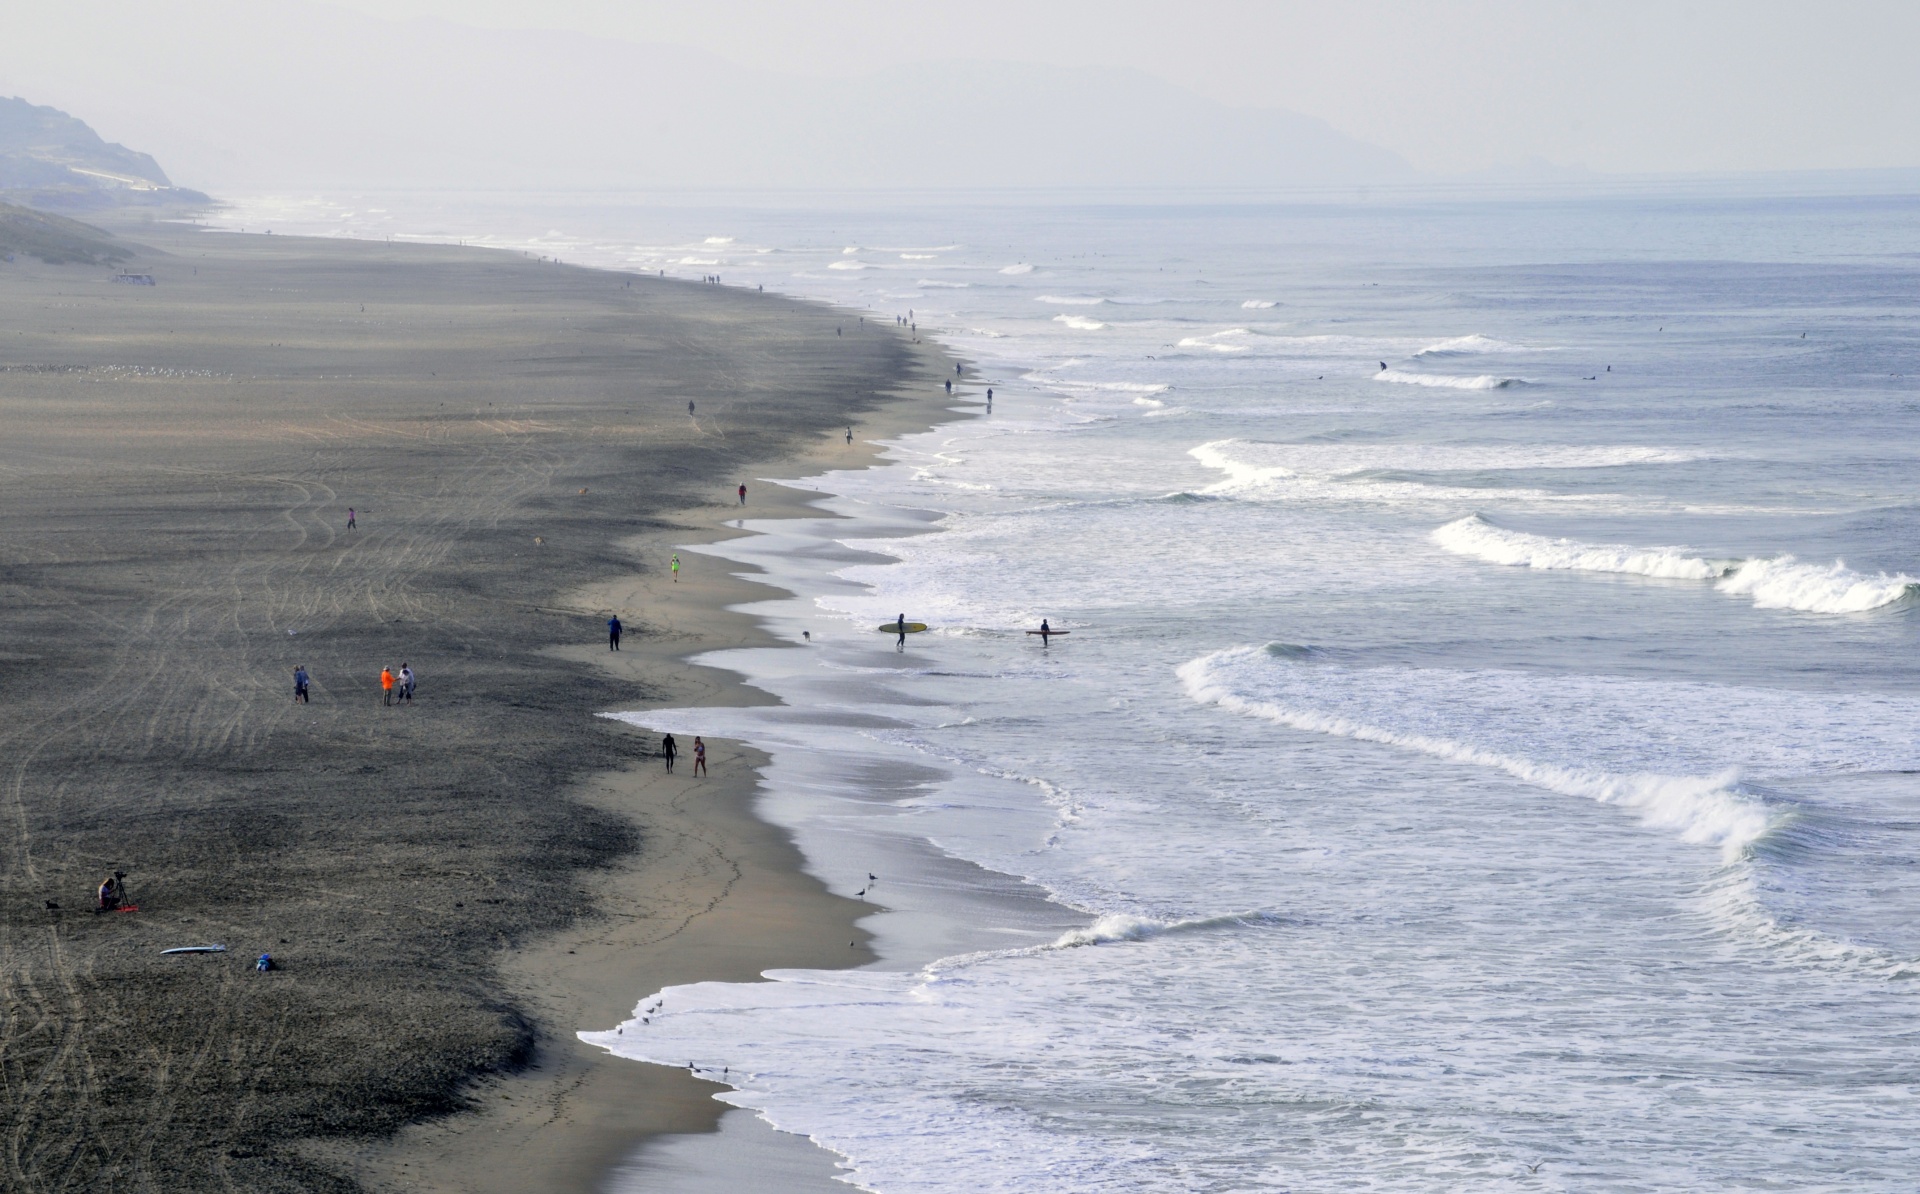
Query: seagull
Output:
(871,876)
(1535,1167)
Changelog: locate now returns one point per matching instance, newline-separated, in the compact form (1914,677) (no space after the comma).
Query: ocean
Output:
(1486,751)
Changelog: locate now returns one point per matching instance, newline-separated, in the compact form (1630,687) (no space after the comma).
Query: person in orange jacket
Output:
(386,683)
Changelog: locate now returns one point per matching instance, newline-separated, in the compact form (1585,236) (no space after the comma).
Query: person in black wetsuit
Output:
(902,625)
(668,750)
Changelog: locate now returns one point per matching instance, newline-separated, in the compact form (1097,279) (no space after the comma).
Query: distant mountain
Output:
(295,95)
(49,159)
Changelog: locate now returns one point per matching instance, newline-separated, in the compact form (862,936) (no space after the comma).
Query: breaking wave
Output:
(1772,583)
(1485,381)
(1080,322)
(1476,537)
(1704,809)
(1461,346)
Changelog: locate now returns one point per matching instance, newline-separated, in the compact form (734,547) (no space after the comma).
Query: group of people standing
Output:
(394,686)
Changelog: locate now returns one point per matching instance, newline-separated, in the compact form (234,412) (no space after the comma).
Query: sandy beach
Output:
(451,887)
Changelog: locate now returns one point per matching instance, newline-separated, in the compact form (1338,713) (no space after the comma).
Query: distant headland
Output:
(55,162)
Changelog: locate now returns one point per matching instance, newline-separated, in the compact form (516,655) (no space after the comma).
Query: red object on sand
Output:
(128,908)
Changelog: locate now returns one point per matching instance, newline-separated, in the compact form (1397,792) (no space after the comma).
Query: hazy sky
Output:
(1614,85)
(266,93)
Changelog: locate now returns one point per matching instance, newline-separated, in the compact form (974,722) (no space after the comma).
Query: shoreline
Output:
(572,1118)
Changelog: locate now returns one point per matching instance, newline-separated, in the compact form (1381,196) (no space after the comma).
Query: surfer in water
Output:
(1045,630)
(901,625)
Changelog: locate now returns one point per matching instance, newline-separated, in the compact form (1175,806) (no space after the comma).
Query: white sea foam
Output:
(1229,340)
(919,257)
(1251,464)
(1784,583)
(718,240)
(1474,536)
(1119,926)
(847,264)
(1773,583)
(1258,304)
(1447,381)
(931,284)
(1017,269)
(1080,322)
(1468,346)
(1070,300)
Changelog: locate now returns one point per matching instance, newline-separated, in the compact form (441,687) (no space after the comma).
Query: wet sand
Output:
(514,437)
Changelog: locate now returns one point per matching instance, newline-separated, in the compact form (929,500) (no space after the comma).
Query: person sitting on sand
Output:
(699,756)
(386,684)
(108,897)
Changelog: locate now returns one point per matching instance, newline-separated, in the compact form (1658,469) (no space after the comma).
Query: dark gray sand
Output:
(176,464)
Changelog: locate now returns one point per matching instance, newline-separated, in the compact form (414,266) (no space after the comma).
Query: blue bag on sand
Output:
(265,962)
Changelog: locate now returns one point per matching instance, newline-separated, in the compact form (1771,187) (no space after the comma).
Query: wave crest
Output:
(1780,582)
(1447,381)
(1479,539)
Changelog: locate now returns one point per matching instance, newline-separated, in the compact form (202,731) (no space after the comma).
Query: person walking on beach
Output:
(300,684)
(689,406)
(349,517)
(849,437)
(676,567)
(386,685)
(949,385)
(613,633)
(669,749)
(406,683)
(901,626)
(699,756)
(743,493)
